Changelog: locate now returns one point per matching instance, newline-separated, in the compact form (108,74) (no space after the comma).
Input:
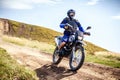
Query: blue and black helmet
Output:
(70,11)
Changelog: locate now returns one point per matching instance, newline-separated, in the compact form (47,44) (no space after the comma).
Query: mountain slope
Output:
(30,31)
(39,33)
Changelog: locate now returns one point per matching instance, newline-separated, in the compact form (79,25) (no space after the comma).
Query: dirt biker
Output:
(64,24)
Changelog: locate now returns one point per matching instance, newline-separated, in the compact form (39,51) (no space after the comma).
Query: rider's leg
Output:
(64,40)
(61,45)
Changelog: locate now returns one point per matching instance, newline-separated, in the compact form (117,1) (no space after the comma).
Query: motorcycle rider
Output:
(68,31)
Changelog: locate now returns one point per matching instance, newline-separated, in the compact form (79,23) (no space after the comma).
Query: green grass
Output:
(113,61)
(42,46)
(11,70)
(92,48)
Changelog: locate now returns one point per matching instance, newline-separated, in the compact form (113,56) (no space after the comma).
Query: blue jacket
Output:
(72,22)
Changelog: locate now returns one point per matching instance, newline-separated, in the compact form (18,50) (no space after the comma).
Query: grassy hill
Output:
(37,36)
(104,57)
(42,34)
(92,48)
(33,32)
(11,70)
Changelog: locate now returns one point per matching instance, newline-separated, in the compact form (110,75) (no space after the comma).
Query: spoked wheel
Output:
(56,58)
(77,58)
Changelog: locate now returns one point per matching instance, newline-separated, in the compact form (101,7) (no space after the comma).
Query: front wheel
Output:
(56,58)
(77,58)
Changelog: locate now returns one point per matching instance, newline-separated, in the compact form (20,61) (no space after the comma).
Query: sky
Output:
(102,15)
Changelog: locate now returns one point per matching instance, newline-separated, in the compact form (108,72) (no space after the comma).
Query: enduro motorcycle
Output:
(73,49)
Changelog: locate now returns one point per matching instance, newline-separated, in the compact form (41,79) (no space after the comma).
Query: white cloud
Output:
(45,1)
(116,17)
(25,4)
(92,2)
(14,4)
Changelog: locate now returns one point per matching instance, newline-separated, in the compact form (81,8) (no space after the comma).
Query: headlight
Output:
(80,38)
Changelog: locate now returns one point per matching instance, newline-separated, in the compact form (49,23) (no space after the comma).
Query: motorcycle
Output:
(73,49)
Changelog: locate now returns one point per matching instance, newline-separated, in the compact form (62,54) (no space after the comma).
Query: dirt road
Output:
(42,64)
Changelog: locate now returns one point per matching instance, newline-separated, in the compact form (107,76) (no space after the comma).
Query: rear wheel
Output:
(56,58)
(77,58)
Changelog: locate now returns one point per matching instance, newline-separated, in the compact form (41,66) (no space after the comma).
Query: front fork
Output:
(73,53)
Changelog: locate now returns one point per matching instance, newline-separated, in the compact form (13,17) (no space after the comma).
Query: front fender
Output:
(80,42)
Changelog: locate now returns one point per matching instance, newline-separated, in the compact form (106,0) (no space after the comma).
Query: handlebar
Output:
(85,33)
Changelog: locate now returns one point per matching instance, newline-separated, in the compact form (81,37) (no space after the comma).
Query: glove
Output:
(66,27)
(87,33)
(69,26)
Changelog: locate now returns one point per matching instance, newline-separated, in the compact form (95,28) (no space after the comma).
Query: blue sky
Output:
(102,15)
